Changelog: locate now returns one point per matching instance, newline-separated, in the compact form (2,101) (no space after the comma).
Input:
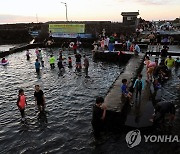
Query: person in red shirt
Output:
(21,103)
(75,48)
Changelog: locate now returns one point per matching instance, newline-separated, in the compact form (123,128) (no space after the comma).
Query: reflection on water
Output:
(65,126)
(6,47)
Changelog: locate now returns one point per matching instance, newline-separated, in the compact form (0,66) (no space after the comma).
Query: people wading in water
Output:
(78,62)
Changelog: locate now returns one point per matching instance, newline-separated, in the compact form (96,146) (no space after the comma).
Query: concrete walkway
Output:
(139,114)
(142,109)
(113,98)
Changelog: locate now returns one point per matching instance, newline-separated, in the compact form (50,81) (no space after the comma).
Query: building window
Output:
(129,18)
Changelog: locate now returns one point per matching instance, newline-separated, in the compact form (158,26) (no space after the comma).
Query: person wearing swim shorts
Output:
(98,116)
(39,98)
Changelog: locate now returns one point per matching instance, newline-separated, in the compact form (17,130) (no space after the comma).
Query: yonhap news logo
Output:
(134,137)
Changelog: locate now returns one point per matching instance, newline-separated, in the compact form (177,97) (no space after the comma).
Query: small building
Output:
(130,18)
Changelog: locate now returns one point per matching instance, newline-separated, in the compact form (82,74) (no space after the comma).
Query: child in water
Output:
(21,103)
(28,54)
(3,60)
(69,62)
(60,66)
(37,67)
(52,61)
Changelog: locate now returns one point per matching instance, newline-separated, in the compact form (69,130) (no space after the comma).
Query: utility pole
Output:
(37,18)
(66,10)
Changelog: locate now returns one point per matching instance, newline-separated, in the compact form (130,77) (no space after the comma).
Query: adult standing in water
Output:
(99,113)
(39,98)
(86,66)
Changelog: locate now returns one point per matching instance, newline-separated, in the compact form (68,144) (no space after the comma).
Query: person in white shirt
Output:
(106,42)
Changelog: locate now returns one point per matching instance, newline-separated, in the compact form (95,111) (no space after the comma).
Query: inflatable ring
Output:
(63,57)
(4,63)
(71,44)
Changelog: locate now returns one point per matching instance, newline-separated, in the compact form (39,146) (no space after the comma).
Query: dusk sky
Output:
(13,11)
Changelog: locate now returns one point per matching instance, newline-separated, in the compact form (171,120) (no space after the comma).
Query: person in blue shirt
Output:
(37,67)
(139,85)
(126,95)
(137,49)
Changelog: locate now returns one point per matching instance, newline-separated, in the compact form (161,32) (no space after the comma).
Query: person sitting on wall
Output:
(137,49)
(126,95)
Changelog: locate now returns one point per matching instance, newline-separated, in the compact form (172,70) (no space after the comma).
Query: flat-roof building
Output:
(130,18)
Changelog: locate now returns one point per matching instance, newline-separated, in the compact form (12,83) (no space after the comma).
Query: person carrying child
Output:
(21,103)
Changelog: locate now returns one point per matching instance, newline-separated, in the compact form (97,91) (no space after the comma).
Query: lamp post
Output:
(66,10)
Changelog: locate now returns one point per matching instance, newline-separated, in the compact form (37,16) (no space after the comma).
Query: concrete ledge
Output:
(169,53)
(113,98)
(112,56)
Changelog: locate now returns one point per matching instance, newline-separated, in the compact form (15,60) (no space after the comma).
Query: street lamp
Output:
(66,10)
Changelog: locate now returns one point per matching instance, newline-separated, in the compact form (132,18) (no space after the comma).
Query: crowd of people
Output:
(156,26)
(61,64)
(111,44)
(156,74)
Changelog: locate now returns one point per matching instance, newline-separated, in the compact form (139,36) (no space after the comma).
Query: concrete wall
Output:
(19,33)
